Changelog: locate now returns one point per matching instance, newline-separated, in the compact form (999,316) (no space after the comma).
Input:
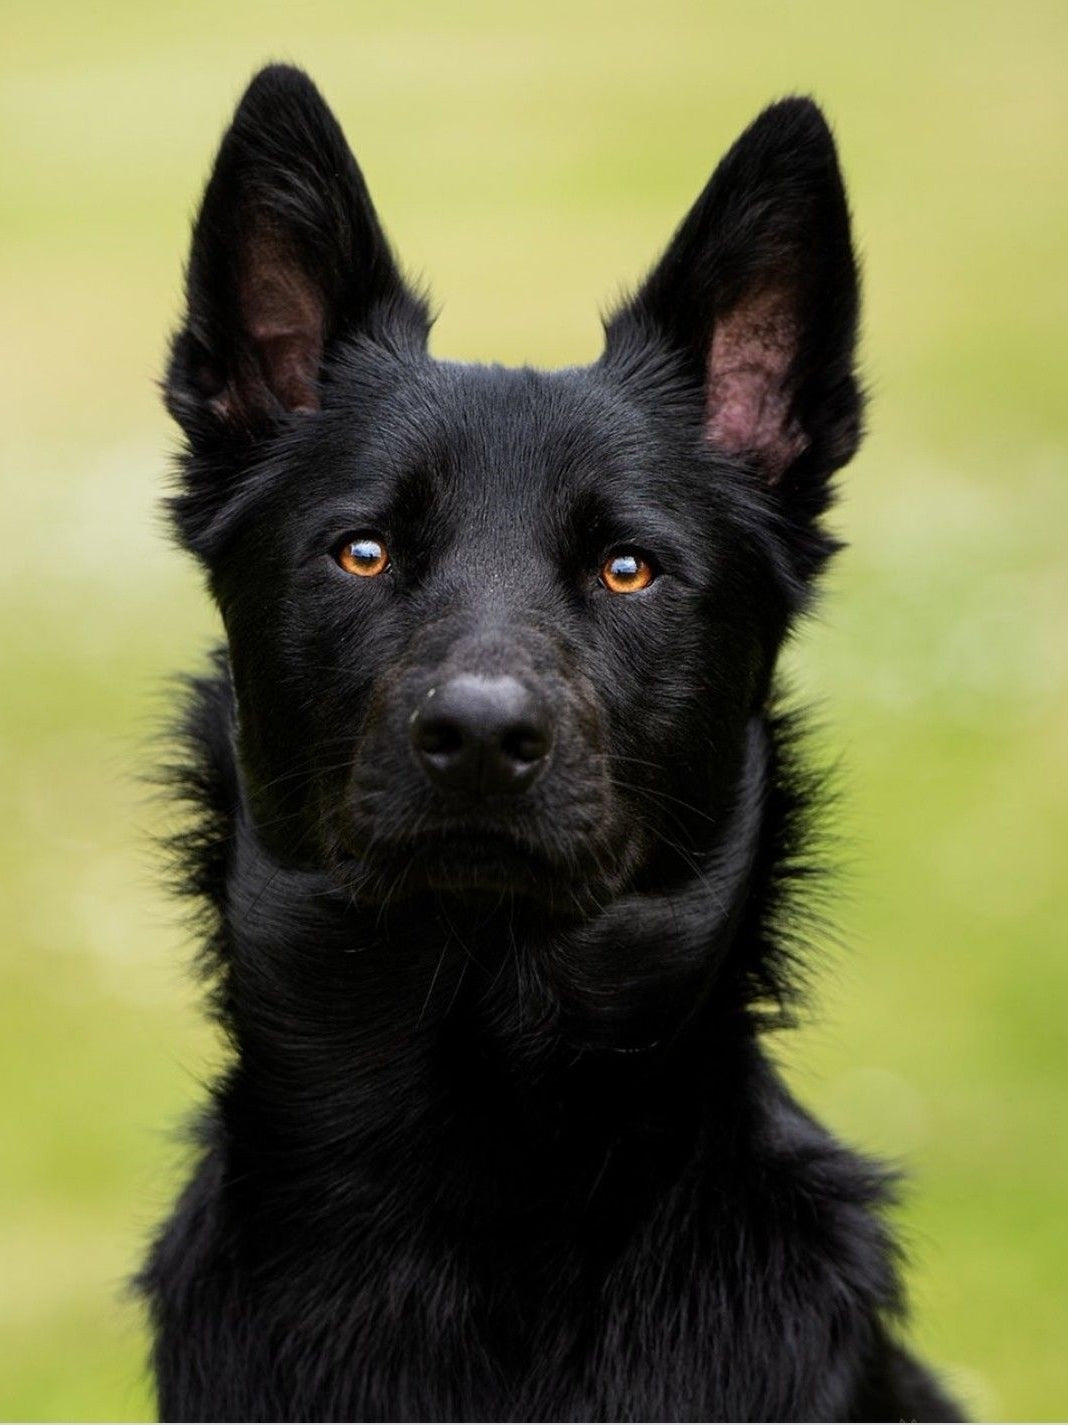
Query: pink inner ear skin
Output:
(748,393)
(282,314)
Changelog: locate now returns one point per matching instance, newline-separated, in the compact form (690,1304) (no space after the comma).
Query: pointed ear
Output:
(757,296)
(287,255)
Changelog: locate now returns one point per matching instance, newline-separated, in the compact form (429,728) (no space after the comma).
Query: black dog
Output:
(499,829)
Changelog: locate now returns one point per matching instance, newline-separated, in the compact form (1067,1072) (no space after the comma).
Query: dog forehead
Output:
(508,435)
(497,454)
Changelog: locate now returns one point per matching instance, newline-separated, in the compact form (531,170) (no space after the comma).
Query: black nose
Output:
(481,735)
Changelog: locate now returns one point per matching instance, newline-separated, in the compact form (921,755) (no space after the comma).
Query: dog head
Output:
(500,630)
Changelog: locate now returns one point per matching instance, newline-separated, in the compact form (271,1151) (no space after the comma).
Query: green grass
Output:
(530,160)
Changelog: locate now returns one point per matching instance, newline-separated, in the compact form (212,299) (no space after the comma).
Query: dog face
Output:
(502,631)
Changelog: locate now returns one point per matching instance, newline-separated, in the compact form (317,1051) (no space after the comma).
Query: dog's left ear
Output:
(757,298)
(288,256)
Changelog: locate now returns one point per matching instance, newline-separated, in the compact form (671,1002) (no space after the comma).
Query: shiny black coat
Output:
(498,1139)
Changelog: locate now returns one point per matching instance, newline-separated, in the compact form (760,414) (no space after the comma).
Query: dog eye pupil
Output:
(365,555)
(626,572)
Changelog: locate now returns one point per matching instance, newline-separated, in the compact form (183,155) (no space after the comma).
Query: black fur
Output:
(499,1140)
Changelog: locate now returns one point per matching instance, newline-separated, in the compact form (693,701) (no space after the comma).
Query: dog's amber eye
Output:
(365,555)
(626,572)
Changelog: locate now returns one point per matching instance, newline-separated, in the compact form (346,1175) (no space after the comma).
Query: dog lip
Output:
(476,849)
(471,834)
(464,858)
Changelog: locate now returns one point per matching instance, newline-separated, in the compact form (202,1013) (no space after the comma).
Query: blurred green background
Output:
(530,160)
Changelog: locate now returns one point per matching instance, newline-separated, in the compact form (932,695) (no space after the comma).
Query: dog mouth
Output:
(467,863)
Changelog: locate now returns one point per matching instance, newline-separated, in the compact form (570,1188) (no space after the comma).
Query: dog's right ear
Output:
(287,256)
(756,303)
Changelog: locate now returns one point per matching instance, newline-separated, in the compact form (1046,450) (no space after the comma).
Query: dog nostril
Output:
(437,737)
(524,744)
